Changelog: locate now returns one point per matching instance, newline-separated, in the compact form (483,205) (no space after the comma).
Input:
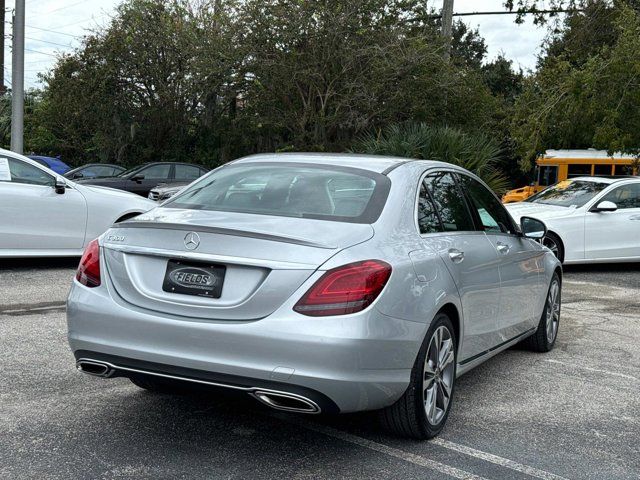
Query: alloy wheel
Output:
(553,311)
(439,370)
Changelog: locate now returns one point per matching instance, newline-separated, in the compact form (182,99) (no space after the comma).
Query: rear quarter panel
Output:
(396,241)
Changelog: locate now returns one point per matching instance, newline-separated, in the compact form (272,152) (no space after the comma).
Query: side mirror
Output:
(605,206)
(138,178)
(78,175)
(532,228)
(60,186)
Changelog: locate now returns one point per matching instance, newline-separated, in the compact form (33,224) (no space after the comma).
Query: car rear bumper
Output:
(348,363)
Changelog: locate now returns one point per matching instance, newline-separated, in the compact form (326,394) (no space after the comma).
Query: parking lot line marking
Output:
(44,308)
(595,370)
(504,462)
(387,450)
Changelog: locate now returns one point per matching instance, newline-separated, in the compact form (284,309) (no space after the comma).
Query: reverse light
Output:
(346,289)
(88,273)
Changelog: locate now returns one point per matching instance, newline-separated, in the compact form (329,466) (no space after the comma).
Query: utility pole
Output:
(3,88)
(447,26)
(17,80)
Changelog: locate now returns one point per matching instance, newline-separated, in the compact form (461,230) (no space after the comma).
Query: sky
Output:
(54,26)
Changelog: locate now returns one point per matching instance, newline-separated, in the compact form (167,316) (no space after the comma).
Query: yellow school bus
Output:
(557,165)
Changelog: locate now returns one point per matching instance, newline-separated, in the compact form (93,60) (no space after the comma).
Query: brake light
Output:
(89,269)
(347,289)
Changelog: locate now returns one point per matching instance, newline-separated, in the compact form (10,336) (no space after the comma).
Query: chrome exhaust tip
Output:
(287,402)
(94,368)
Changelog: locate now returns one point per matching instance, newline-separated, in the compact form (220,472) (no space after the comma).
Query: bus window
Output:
(623,170)
(602,170)
(547,176)
(579,170)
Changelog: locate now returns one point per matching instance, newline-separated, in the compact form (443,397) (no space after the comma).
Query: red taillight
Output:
(89,269)
(347,289)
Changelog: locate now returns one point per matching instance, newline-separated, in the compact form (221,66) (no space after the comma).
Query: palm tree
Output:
(475,152)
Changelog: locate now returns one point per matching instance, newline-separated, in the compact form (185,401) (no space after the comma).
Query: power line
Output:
(41,53)
(506,12)
(49,42)
(64,7)
(50,31)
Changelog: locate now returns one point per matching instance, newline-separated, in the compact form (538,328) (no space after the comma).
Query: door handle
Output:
(634,217)
(503,248)
(455,255)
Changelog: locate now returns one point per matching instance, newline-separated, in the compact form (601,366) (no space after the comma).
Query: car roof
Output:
(374,163)
(605,179)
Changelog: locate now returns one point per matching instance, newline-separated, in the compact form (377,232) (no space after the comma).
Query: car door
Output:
(446,225)
(152,176)
(34,216)
(609,235)
(519,260)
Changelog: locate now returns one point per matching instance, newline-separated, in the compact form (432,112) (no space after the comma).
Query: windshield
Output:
(569,193)
(291,190)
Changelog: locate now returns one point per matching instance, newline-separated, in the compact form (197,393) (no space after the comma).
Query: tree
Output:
(590,103)
(475,152)
(211,80)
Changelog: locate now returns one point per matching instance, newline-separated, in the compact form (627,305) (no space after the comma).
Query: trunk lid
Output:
(266,258)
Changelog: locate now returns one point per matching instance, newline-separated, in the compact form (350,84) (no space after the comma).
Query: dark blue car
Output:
(54,164)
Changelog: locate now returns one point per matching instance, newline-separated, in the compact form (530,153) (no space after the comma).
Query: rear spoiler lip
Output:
(223,231)
(209,257)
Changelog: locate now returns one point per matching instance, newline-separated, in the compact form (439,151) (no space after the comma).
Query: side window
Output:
(157,171)
(428,220)
(493,216)
(22,172)
(102,171)
(626,196)
(548,176)
(578,170)
(449,202)
(187,172)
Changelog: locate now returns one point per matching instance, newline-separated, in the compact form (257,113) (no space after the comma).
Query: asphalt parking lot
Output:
(573,413)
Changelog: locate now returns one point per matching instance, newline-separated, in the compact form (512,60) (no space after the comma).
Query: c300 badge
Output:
(115,238)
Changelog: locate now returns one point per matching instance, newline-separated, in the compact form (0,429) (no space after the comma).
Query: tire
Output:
(160,385)
(554,243)
(544,339)
(408,417)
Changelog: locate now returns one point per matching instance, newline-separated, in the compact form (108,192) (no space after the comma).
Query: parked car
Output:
(311,283)
(590,219)
(42,214)
(143,178)
(52,163)
(165,191)
(94,170)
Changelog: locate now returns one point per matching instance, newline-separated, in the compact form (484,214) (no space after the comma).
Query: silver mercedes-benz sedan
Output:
(318,283)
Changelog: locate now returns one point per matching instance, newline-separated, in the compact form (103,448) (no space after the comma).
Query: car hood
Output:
(104,181)
(538,210)
(170,187)
(113,193)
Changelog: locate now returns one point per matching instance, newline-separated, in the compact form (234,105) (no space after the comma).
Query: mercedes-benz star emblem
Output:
(192,240)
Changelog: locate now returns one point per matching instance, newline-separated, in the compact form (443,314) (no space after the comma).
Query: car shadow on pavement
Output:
(603,268)
(38,263)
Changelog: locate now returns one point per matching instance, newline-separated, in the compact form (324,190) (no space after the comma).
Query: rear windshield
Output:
(290,190)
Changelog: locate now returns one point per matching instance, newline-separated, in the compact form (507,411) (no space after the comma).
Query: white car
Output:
(43,214)
(588,219)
